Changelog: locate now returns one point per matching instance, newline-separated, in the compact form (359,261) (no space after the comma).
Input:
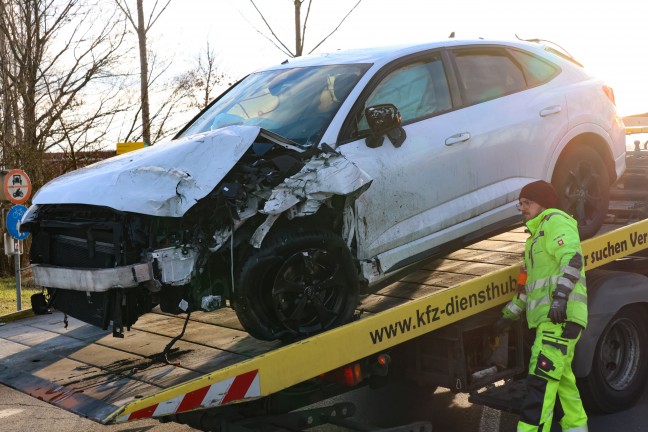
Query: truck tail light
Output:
(609,92)
(354,373)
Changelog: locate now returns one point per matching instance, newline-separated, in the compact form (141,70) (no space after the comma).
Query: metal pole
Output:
(17,267)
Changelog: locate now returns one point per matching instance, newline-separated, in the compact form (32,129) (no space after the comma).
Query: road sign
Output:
(13,222)
(16,186)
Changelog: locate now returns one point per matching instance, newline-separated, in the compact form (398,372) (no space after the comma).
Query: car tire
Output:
(619,371)
(299,283)
(583,187)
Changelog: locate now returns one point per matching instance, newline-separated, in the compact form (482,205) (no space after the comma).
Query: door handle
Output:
(554,109)
(458,138)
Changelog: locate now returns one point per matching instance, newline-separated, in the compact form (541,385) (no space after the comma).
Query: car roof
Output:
(385,54)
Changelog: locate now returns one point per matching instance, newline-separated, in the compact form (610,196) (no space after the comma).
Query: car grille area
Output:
(86,237)
(77,237)
(67,251)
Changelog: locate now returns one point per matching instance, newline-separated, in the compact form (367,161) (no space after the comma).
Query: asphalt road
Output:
(382,408)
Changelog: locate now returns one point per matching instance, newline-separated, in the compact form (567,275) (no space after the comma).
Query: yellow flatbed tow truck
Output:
(83,369)
(432,326)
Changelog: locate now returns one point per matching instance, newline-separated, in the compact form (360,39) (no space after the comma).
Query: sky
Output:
(610,38)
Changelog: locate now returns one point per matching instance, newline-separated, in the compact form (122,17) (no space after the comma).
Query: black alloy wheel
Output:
(582,184)
(299,283)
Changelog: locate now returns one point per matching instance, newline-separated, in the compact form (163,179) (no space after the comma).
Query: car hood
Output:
(162,180)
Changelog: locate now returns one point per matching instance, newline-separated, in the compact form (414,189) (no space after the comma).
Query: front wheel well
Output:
(325,217)
(328,216)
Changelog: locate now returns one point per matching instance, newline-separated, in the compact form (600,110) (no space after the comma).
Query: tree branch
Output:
(285,49)
(336,28)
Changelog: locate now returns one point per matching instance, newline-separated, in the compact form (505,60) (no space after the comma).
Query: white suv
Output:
(308,180)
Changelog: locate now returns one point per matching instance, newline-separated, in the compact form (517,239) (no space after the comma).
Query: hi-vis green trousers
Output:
(552,382)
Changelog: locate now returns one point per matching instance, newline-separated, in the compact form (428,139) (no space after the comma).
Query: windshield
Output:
(295,103)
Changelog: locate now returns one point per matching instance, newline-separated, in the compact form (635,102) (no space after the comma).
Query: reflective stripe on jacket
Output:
(553,259)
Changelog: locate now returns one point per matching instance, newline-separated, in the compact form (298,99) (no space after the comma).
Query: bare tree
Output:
(300,28)
(169,99)
(177,98)
(201,83)
(210,75)
(142,27)
(58,86)
(57,78)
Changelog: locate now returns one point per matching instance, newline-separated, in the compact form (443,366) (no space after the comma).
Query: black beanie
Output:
(540,192)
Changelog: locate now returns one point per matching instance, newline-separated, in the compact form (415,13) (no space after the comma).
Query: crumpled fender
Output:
(324,176)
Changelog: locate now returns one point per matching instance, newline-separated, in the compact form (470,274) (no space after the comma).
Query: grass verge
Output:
(8,294)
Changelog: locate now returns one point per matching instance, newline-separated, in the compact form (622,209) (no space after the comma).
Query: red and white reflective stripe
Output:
(223,392)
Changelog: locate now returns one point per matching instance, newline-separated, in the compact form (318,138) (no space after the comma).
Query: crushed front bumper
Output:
(93,280)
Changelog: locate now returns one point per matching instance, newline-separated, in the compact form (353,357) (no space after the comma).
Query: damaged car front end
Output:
(106,264)
(229,214)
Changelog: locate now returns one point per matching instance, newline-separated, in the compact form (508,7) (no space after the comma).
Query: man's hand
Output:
(558,310)
(501,325)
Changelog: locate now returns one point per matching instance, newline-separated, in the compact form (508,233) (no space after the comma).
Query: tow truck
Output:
(431,326)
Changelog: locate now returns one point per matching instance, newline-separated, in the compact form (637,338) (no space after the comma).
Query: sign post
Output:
(17,270)
(16,188)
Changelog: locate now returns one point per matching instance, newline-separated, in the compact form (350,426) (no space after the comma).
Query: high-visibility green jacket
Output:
(554,261)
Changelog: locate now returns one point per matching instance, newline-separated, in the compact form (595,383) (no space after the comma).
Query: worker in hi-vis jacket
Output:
(555,301)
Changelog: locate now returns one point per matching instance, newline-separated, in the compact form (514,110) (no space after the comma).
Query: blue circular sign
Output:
(14,217)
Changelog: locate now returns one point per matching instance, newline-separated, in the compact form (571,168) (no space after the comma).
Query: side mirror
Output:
(384,120)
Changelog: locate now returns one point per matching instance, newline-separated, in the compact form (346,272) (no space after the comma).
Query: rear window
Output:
(537,70)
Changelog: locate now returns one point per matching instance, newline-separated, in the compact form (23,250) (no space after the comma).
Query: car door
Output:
(416,187)
(461,166)
(518,118)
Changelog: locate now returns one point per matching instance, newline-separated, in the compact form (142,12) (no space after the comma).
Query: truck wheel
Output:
(619,367)
(582,184)
(299,283)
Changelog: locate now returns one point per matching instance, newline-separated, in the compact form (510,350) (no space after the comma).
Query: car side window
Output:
(487,73)
(418,90)
(537,70)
